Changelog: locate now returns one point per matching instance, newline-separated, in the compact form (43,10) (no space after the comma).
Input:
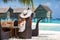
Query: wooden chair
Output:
(36,30)
(5,33)
(27,33)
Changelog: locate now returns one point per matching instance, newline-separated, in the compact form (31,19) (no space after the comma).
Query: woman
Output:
(27,31)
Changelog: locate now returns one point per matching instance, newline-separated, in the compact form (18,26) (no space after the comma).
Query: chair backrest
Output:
(16,23)
(0,30)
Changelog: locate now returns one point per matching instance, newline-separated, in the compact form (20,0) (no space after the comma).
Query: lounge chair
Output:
(27,33)
(36,30)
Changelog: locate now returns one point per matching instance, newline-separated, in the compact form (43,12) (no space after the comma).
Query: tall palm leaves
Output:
(26,2)
(29,3)
(32,4)
(5,1)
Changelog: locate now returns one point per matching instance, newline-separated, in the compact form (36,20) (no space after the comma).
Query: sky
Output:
(54,5)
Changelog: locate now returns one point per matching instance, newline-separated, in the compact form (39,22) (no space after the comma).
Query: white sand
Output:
(53,35)
(44,35)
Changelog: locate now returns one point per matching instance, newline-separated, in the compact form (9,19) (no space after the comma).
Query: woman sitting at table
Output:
(25,27)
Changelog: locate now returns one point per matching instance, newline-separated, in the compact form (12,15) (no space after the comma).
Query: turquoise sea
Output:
(50,28)
(45,21)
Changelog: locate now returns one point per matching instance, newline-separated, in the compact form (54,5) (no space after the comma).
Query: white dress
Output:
(22,25)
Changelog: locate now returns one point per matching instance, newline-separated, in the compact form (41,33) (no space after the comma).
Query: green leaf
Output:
(5,1)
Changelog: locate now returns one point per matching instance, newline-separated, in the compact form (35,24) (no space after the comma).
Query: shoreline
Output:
(48,24)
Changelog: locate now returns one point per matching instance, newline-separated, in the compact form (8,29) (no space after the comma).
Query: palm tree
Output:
(27,2)
(5,1)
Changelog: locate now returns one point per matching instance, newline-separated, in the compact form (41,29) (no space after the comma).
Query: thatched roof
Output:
(15,10)
(45,7)
(3,10)
(18,10)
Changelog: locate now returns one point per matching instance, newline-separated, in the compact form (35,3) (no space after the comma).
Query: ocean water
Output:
(56,28)
(48,27)
(45,21)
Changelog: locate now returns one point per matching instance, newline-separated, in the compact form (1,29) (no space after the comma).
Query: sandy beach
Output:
(49,35)
(44,35)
